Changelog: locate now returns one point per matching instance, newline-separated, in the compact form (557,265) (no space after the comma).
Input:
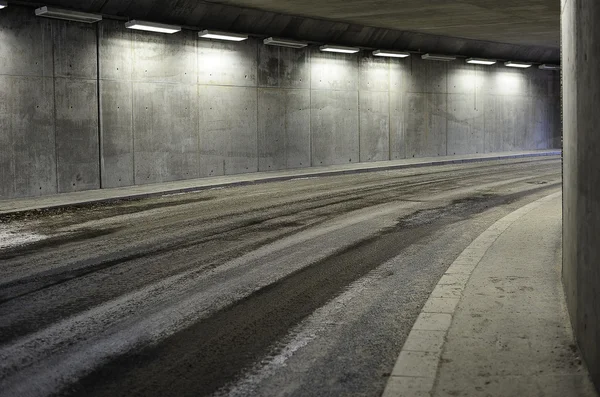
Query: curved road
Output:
(305,287)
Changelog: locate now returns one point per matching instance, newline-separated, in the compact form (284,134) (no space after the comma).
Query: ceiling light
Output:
(3,4)
(285,43)
(152,27)
(438,57)
(522,65)
(77,16)
(213,34)
(549,67)
(343,50)
(391,54)
(481,61)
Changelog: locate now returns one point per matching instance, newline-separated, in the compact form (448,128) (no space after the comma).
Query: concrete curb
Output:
(266,179)
(415,371)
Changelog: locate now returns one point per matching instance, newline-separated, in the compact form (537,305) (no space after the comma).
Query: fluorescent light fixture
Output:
(285,43)
(481,61)
(70,15)
(522,65)
(213,34)
(3,4)
(438,57)
(337,48)
(391,54)
(546,66)
(152,27)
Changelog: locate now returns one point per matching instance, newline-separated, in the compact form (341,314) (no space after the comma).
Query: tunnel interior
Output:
(99,106)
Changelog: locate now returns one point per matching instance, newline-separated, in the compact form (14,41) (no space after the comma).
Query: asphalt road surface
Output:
(300,288)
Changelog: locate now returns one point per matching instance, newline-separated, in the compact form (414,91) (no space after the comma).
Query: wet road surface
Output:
(304,287)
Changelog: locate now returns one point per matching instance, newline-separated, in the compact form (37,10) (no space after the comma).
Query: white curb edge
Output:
(416,367)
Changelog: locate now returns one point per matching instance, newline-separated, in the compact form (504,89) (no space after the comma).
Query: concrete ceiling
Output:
(528,22)
(526,30)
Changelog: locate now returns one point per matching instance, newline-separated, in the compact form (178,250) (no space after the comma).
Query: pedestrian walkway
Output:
(497,324)
(142,191)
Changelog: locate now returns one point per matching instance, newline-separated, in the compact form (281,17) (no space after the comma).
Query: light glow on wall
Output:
(213,34)
(3,4)
(510,83)
(340,49)
(152,27)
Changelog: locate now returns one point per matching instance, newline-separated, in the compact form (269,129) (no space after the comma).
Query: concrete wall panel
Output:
(465,124)
(165,125)
(283,129)
(332,71)
(500,80)
(397,125)
(499,136)
(75,50)
(507,121)
(26,44)
(463,77)
(77,151)
(541,82)
(557,126)
(27,158)
(283,67)
(298,128)
(165,58)
(228,63)
(400,74)
(426,76)
(116,51)
(116,120)
(334,127)
(374,74)
(228,131)
(542,131)
(374,126)
(425,125)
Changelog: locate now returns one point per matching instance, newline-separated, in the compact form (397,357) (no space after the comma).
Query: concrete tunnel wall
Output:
(581,183)
(89,106)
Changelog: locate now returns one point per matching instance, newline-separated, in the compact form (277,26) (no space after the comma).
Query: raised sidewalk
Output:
(497,324)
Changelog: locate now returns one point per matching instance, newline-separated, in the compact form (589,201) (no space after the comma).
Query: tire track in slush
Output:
(206,356)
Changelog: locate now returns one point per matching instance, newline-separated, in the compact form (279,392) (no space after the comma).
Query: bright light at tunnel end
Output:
(3,4)
(213,34)
(152,27)
(481,61)
(340,49)
(522,65)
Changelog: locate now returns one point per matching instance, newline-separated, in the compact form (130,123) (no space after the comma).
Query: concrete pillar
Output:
(581,126)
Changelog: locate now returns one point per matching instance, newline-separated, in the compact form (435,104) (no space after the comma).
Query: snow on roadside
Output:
(13,237)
